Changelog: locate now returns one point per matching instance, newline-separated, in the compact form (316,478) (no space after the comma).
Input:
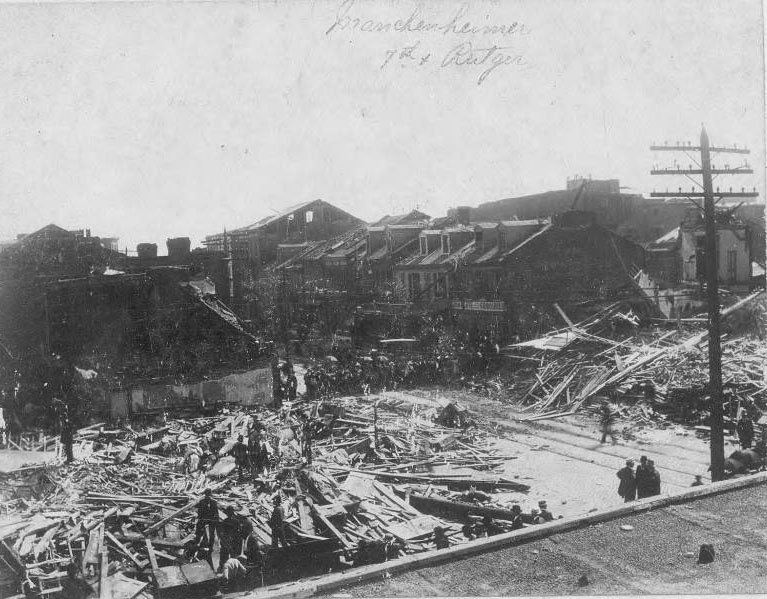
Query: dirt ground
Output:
(564,463)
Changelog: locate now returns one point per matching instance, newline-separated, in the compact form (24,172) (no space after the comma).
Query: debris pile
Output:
(357,480)
(651,369)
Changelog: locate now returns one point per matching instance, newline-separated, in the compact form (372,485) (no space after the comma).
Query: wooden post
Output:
(714,341)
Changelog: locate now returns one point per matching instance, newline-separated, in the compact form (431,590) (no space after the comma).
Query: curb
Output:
(312,586)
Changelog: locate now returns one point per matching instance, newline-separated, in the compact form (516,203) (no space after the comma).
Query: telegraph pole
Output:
(706,171)
(714,338)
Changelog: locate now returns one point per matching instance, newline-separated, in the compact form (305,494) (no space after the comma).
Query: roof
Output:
(670,236)
(527,240)
(523,223)
(398,219)
(437,258)
(44,233)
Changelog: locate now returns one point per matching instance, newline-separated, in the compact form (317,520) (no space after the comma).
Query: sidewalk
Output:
(659,556)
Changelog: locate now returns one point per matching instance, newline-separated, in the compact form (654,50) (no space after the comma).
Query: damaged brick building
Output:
(69,304)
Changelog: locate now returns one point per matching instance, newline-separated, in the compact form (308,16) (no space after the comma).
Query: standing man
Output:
(654,482)
(277,524)
(644,478)
(240,453)
(745,430)
(627,487)
(67,439)
(254,451)
(292,386)
(207,519)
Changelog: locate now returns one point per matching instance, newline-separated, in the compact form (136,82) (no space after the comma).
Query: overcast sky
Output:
(147,121)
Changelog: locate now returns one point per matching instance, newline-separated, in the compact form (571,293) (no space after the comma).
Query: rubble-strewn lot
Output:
(364,479)
(127,506)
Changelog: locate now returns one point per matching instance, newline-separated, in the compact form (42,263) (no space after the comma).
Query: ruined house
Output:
(70,300)
(272,240)
(733,245)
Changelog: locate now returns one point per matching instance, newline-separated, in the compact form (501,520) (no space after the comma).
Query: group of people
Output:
(350,374)
(488,527)
(640,483)
(239,549)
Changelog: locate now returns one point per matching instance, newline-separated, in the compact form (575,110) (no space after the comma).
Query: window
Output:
(413,284)
(478,238)
(309,216)
(440,289)
(424,245)
(445,244)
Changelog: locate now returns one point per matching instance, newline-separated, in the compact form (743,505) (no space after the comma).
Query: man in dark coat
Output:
(627,487)
(240,453)
(67,439)
(644,479)
(277,524)
(654,486)
(207,519)
(517,521)
(745,431)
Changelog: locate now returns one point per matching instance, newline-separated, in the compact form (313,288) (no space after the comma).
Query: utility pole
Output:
(706,171)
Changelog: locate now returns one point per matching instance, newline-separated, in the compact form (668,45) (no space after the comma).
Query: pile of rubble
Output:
(651,369)
(123,516)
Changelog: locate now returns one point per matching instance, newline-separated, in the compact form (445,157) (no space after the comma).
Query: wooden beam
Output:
(337,533)
(159,524)
(152,556)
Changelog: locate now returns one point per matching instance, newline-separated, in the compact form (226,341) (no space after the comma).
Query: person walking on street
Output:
(606,423)
(627,487)
(207,519)
(745,430)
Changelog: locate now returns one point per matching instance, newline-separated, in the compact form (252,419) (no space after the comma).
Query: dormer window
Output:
(446,244)
(424,245)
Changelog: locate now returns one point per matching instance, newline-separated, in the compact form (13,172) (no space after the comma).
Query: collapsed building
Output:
(91,331)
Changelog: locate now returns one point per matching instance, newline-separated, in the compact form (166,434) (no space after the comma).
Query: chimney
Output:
(146,250)
(179,248)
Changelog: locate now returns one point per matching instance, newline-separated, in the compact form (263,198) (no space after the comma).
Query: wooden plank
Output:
(156,526)
(139,563)
(198,572)
(104,569)
(152,556)
(337,533)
